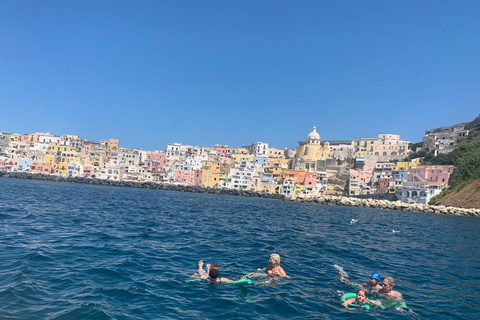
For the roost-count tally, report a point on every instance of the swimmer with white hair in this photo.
(274, 269)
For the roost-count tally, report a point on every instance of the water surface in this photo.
(72, 251)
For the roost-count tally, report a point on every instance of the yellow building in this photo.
(276, 153)
(113, 144)
(61, 156)
(212, 174)
(405, 166)
(238, 158)
(311, 151)
(269, 187)
(298, 189)
(273, 170)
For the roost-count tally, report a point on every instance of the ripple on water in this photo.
(120, 253)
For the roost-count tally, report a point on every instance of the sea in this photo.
(75, 251)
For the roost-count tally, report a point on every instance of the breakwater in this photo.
(382, 204)
(139, 184)
(309, 198)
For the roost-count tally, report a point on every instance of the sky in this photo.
(200, 73)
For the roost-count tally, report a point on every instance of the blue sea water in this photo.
(72, 251)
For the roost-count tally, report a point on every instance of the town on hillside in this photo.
(362, 166)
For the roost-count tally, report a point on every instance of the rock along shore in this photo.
(382, 204)
(320, 199)
(137, 184)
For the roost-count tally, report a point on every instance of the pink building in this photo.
(359, 182)
(221, 152)
(225, 160)
(310, 179)
(430, 175)
(198, 177)
(39, 167)
(23, 138)
(155, 162)
(383, 183)
(87, 172)
(184, 177)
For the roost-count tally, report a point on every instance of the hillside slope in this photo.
(467, 197)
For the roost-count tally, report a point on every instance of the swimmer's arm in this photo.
(375, 302)
(347, 302)
(398, 297)
(282, 273)
(226, 280)
(344, 280)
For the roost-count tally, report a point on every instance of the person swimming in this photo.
(361, 300)
(387, 291)
(213, 273)
(274, 269)
(371, 286)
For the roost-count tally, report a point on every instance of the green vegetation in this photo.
(465, 157)
(415, 146)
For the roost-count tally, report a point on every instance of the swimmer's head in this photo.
(214, 271)
(388, 282)
(375, 276)
(362, 294)
(275, 257)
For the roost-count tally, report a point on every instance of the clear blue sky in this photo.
(235, 72)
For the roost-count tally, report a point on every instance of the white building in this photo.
(175, 151)
(444, 139)
(75, 170)
(260, 149)
(111, 174)
(418, 194)
(48, 138)
(239, 177)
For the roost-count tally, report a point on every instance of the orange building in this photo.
(297, 175)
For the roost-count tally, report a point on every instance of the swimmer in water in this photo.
(274, 269)
(371, 286)
(361, 299)
(387, 291)
(213, 273)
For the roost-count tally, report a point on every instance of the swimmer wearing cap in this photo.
(373, 284)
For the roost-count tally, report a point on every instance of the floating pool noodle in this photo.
(244, 281)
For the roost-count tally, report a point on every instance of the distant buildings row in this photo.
(360, 166)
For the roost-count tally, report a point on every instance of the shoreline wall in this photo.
(310, 198)
(138, 184)
(383, 204)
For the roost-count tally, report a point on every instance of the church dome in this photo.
(313, 135)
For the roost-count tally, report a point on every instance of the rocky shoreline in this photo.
(382, 204)
(320, 199)
(137, 184)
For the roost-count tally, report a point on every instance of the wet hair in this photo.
(214, 271)
(390, 281)
(364, 291)
(275, 257)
